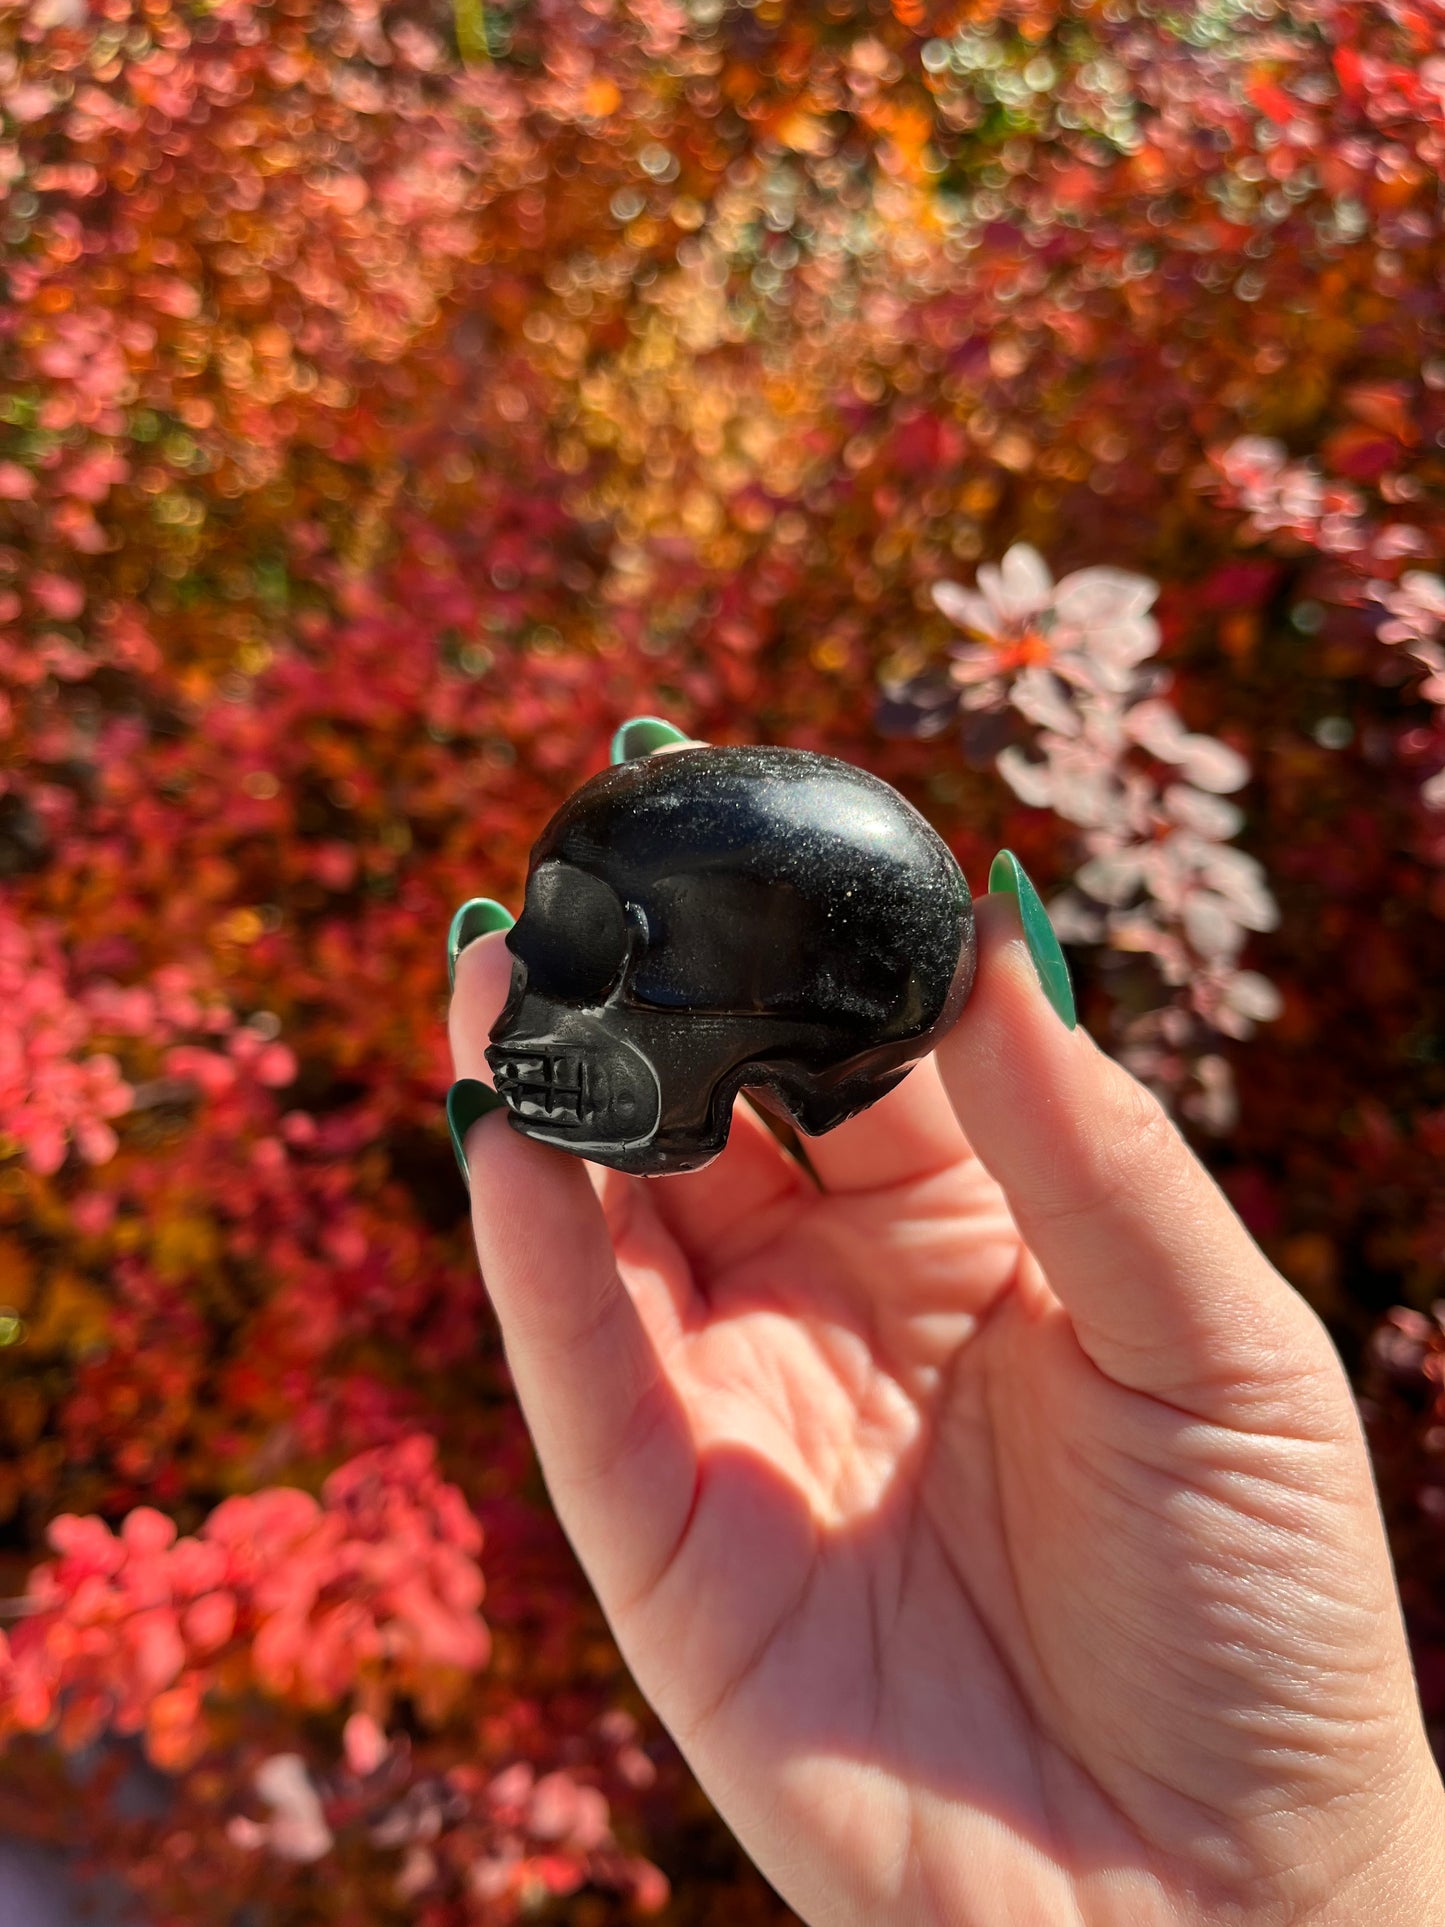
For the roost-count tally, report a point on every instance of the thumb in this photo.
(1167, 1292)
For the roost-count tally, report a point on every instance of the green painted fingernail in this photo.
(467, 1100)
(642, 735)
(1007, 873)
(475, 919)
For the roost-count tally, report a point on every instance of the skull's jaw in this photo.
(576, 1085)
(658, 1101)
(633, 1089)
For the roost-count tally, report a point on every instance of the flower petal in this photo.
(1042, 698)
(1212, 765)
(966, 607)
(1208, 816)
(1156, 726)
(1103, 596)
(1023, 582)
(1031, 782)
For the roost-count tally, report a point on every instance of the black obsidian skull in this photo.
(712, 919)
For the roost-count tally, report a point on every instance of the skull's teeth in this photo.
(551, 1089)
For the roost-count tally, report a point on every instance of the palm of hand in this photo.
(998, 1612)
(973, 1597)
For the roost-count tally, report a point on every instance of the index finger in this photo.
(613, 1439)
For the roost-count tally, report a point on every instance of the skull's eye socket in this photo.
(728, 943)
(572, 934)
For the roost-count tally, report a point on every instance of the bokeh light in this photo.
(1040, 403)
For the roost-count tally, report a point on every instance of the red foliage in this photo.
(131, 1632)
(389, 406)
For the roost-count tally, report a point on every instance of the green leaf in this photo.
(471, 24)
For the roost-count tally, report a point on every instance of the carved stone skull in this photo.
(713, 919)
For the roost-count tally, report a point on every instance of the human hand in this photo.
(992, 1529)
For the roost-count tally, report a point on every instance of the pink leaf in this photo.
(158, 1653)
(147, 1531)
(1253, 996)
(966, 607)
(60, 598)
(1212, 765)
(276, 1066)
(1207, 816)
(1112, 879)
(209, 1621)
(1032, 783)
(1156, 726)
(365, 1744)
(1021, 586)
(1040, 697)
(1211, 926)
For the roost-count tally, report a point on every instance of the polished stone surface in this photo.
(717, 919)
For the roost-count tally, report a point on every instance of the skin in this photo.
(992, 1528)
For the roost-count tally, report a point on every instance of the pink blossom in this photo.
(296, 1829)
(1009, 599)
(1159, 874)
(1416, 607)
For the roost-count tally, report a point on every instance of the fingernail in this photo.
(1006, 873)
(475, 919)
(467, 1100)
(642, 735)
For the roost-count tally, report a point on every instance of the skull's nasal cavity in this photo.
(572, 934)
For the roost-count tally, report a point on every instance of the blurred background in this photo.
(1039, 403)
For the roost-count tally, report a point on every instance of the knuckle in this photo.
(1143, 1133)
(1130, 1142)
